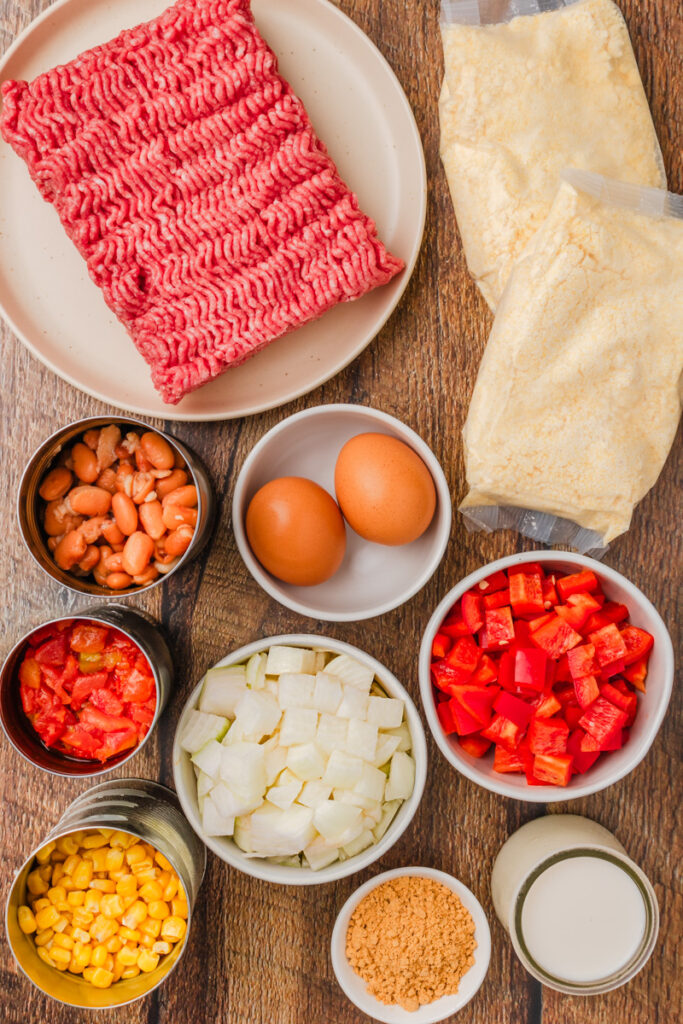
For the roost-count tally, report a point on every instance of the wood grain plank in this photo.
(259, 953)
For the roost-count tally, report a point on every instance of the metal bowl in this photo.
(139, 628)
(30, 505)
(150, 812)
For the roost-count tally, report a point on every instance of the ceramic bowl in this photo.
(355, 988)
(227, 850)
(651, 705)
(373, 578)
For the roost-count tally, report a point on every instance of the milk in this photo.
(583, 919)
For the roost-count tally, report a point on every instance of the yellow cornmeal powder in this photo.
(523, 100)
(578, 395)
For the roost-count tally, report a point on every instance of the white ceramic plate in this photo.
(354, 986)
(357, 107)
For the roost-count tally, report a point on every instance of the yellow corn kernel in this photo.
(149, 850)
(80, 935)
(67, 882)
(163, 862)
(106, 832)
(57, 857)
(75, 898)
(47, 917)
(170, 889)
(80, 958)
(158, 909)
(57, 894)
(113, 860)
(127, 886)
(144, 874)
(98, 858)
(100, 977)
(147, 941)
(68, 844)
(179, 908)
(60, 956)
(71, 863)
(151, 892)
(173, 929)
(109, 962)
(92, 900)
(44, 956)
(64, 942)
(42, 938)
(136, 853)
(162, 948)
(127, 956)
(45, 872)
(147, 960)
(118, 971)
(98, 955)
(44, 852)
(93, 841)
(151, 926)
(111, 905)
(27, 920)
(61, 924)
(122, 839)
(103, 885)
(58, 873)
(38, 904)
(135, 915)
(82, 918)
(128, 934)
(35, 884)
(143, 864)
(114, 944)
(130, 972)
(103, 928)
(128, 901)
(82, 874)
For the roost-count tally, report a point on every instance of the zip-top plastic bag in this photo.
(530, 87)
(578, 395)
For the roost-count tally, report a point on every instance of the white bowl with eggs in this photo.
(372, 578)
(186, 777)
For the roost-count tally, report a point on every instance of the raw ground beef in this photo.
(188, 175)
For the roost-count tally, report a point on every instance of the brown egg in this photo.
(384, 489)
(296, 531)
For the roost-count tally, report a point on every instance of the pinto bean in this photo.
(90, 501)
(143, 485)
(114, 562)
(119, 581)
(150, 574)
(90, 558)
(111, 533)
(176, 515)
(92, 528)
(106, 446)
(125, 513)
(178, 478)
(179, 541)
(85, 463)
(157, 450)
(59, 518)
(185, 496)
(137, 553)
(142, 462)
(55, 484)
(70, 550)
(151, 519)
(107, 480)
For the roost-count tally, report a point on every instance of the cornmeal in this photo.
(523, 100)
(578, 395)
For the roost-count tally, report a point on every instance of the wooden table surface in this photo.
(259, 954)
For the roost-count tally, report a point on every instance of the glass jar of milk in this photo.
(583, 918)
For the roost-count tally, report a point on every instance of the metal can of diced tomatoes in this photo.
(136, 626)
(151, 814)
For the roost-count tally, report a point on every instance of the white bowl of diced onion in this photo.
(299, 759)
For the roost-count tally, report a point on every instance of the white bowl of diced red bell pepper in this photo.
(545, 676)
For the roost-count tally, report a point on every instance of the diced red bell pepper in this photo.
(487, 671)
(518, 711)
(609, 645)
(464, 657)
(556, 637)
(587, 690)
(526, 594)
(505, 761)
(555, 769)
(454, 625)
(444, 712)
(496, 581)
(638, 643)
(572, 715)
(581, 661)
(53, 652)
(578, 581)
(614, 741)
(562, 673)
(628, 702)
(589, 744)
(455, 718)
(499, 629)
(474, 745)
(497, 600)
(522, 635)
(610, 612)
(506, 670)
(441, 645)
(472, 611)
(602, 720)
(578, 610)
(547, 705)
(548, 736)
(637, 674)
(527, 568)
(541, 620)
(477, 700)
(583, 759)
(530, 669)
(501, 730)
(614, 668)
(549, 592)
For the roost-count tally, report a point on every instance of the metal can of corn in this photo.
(150, 813)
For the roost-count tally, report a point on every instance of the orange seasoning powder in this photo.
(411, 940)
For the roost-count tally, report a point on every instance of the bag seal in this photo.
(651, 202)
(496, 12)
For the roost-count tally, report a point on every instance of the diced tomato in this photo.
(556, 637)
(530, 669)
(518, 711)
(501, 730)
(553, 769)
(602, 719)
(487, 671)
(115, 743)
(88, 638)
(583, 760)
(84, 686)
(507, 760)
(638, 643)
(574, 584)
(581, 661)
(474, 745)
(637, 674)
(499, 629)
(93, 718)
(137, 687)
(548, 736)
(141, 713)
(609, 645)
(472, 613)
(29, 673)
(80, 742)
(526, 594)
(53, 652)
(106, 701)
(587, 690)
(497, 600)
(441, 646)
(496, 581)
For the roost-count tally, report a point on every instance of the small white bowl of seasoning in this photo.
(371, 578)
(471, 977)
